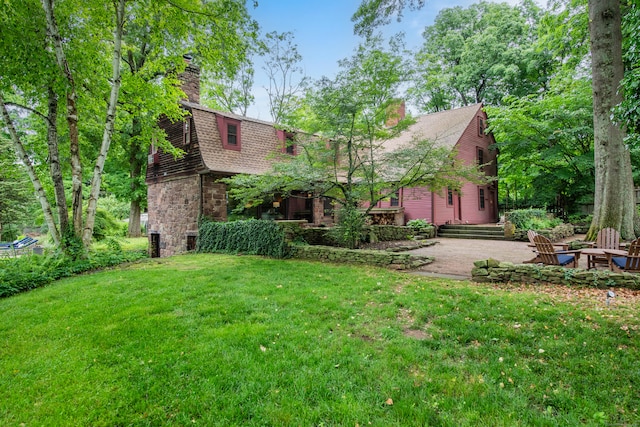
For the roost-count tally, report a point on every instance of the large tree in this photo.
(65, 56)
(546, 137)
(546, 147)
(158, 35)
(480, 53)
(614, 202)
(53, 77)
(286, 77)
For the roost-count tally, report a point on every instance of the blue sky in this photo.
(323, 32)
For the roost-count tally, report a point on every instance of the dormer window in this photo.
(230, 132)
(288, 144)
(290, 148)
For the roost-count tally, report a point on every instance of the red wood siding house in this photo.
(463, 130)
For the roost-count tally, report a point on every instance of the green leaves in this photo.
(546, 145)
(478, 54)
(252, 237)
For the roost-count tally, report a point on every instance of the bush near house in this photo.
(372, 233)
(251, 237)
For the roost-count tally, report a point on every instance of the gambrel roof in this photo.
(444, 128)
(259, 142)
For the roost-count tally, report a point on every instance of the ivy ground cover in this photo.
(240, 340)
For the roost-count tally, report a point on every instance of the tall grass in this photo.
(240, 340)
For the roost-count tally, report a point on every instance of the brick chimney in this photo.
(190, 79)
(395, 112)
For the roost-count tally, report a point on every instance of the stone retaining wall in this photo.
(374, 233)
(398, 261)
(554, 234)
(495, 271)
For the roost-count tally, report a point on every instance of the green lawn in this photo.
(240, 340)
(127, 243)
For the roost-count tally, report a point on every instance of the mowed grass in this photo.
(127, 243)
(238, 340)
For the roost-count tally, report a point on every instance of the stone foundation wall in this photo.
(214, 198)
(174, 207)
(393, 260)
(502, 272)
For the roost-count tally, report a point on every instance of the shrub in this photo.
(33, 271)
(105, 225)
(418, 224)
(254, 237)
(532, 219)
(119, 209)
(350, 231)
(580, 219)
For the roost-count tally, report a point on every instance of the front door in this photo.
(457, 209)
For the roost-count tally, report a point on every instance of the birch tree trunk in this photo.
(54, 165)
(37, 185)
(108, 127)
(72, 115)
(614, 203)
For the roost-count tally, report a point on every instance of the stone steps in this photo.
(472, 232)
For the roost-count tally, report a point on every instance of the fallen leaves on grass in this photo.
(625, 298)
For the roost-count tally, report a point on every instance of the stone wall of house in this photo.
(174, 207)
(214, 198)
(494, 271)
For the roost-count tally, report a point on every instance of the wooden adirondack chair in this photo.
(531, 234)
(549, 256)
(608, 238)
(629, 263)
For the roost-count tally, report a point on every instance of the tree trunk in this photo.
(72, 116)
(134, 219)
(614, 203)
(37, 185)
(54, 166)
(136, 165)
(108, 127)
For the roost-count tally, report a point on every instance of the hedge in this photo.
(252, 237)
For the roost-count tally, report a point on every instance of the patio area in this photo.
(454, 258)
